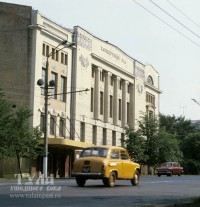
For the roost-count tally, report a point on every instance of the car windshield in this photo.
(166, 164)
(97, 152)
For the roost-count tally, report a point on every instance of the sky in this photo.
(163, 33)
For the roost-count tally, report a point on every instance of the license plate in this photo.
(86, 169)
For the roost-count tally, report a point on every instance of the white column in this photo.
(106, 96)
(96, 93)
(115, 100)
(124, 103)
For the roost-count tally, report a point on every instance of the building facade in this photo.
(99, 89)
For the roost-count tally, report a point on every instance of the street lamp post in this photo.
(48, 84)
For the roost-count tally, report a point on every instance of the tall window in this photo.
(54, 90)
(63, 88)
(57, 55)
(52, 125)
(66, 59)
(53, 54)
(128, 110)
(113, 138)
(62, 57)
(82, 132)
(104, 136)
(93, 72)
(47, 50)
(42, 122)
(94, 134)
(101, 102)
(62, 128)
(120, 109)
(111, 106)
(43, 49)
(92, 100)
(111, 80)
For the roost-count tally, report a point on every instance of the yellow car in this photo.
(106, 163)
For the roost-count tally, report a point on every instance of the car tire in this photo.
(80, 181)
(179, 174)
(110, 182)
(170, 174)
(135, 179)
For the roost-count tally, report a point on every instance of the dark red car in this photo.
(169, 169)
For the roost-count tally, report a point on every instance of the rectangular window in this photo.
(120, 109)
(120, 85)
(62, 128)
(94, 135)
(47, 50)
(113, 138)
(53, 54)
(43, 49)
(128, 88)
(57, 55)
(128, 113)
(66, 59)
(62, 57)
(54, 89)
(104, 136)
(63, 87)
(101, 102)
(92, 100)
(82, 132)
(53, 125)
(111, 106)
(42, 122)
(111, 80)
(93, 72)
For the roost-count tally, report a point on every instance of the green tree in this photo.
(169, 148)
(178, 126)
(148, 127)
(24, 141)
(6, 114)
(135, 144)
(190, 147)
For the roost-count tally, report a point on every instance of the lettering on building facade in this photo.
(113, 55)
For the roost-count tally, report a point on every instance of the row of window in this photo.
(56, 55)
(62, 130)
(111, 106)
(52, 125)
(150, 98)
(102, 79)
(54, 93)
(104, 135)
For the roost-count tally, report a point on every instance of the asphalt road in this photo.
(152, 191)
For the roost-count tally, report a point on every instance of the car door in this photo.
(127, 167)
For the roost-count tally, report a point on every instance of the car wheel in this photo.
(179, 174)
(110, 182)
(135, 179)
(159, 175)
(80, 181)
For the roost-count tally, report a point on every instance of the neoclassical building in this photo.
(99, 89)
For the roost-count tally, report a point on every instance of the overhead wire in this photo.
(184, 14)
(167, 23)
(174, 18)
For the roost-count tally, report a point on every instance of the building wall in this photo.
(94, 58)
(15, 38)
